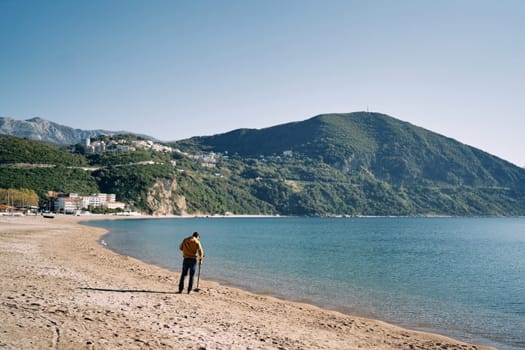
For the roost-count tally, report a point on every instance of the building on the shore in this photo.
(70, 203)
(102, 200)
(115, 205)
(6, 208)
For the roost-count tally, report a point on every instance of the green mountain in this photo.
(390, 150)
(364, 164)
(336, 164)
(19, 150)
(41, 167)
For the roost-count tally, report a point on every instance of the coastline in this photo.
(61, 289)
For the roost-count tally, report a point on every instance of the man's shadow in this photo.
(125, 290)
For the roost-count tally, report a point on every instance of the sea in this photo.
(460, 277)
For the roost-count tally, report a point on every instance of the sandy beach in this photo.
(60, 289)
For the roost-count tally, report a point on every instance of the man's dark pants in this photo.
(188, 264)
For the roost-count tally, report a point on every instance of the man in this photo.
(191, 249)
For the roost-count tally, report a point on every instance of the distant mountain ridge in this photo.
(43, 130)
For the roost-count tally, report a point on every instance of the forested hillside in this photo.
(41, 167)
(18, 150)
(366, 164)
(339, 164)
(391, 150)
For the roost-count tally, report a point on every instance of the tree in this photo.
(18, 198)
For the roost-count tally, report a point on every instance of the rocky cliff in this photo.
(162, 199)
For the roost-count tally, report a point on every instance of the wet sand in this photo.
(60, 289)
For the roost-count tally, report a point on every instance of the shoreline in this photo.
(62, 289)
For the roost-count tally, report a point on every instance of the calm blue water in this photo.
(462, 277)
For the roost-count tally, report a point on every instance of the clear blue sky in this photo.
(175, 69)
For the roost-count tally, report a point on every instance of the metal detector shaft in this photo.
(198, 278)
